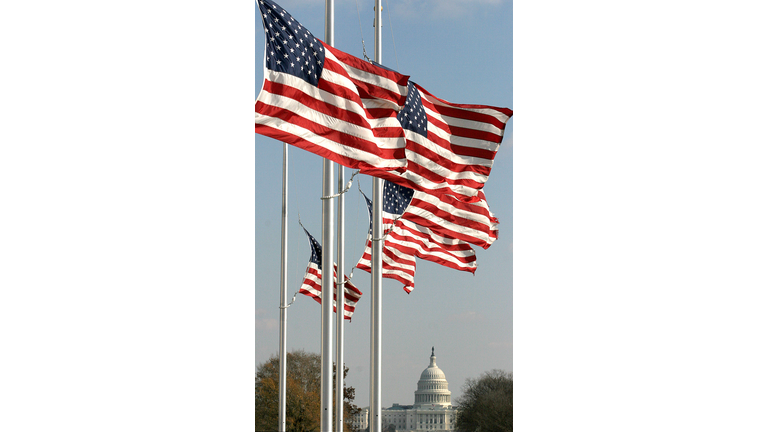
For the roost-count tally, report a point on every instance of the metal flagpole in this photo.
(326, 340)
(376, 280)
(283, 291)
(340, 303)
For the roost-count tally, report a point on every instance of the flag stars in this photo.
(284, 57)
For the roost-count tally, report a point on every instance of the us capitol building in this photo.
(431, 410)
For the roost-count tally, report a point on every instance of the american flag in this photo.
(312, 284)
(328, 102)
(406, 239)
(449, 147)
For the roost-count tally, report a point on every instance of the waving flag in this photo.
(452, 218)
(312, 284)
(405, 240)
(450, 147)
(328, 102)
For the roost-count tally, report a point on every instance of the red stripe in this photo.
(431, 243)
(445, 232)
(332, 111)
(480, 210)
(432, 254)
(445, 162)
(352, 61)
(364, 89)
(463, 113)
(316, 105)
(380, 113)
(357, 63)
(350, 141)
(463, 132)
(427, 174)
(407, 284)
(457, 148)
(461, 221)
(431, 250)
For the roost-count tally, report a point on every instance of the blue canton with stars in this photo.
(317, 250)
(396, 198)
(370, 214)
(290, 47)
(412, 116)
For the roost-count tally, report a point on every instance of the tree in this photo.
(486, 403)
(302, 405)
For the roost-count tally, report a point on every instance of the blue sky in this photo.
(461, 52)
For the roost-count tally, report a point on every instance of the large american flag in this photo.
(450, 147)
(406, 239)
(326, 101)
(312, 283)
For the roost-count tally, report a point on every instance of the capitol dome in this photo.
(432, 389)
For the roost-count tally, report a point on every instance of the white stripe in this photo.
(428, 239)
(465, 123)
(442, 151)
(368, 77)
(435, 237)
(449, 227)
(328, 144)
(304, 111)
(487, 110)
(464, 141)
(325, 97)
(315, 92)
(443, 254)
(455, 211)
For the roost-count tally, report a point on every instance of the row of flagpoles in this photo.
(327, 280)
(435, 155)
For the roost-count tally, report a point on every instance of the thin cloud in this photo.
(263, 322)
(440, 9)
